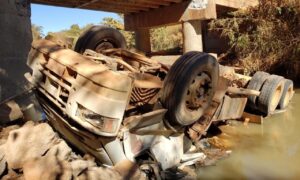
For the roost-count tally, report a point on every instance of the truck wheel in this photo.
(99, 38)
(256, 83)
(270, 94)
(189, 88)
(287, 94)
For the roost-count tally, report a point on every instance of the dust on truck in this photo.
(121, 106)
(118, 105)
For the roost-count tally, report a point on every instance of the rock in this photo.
(61, 150)
(129, 170)
(13, 175)
(28, 142)
(48, 167)
(5, 132)
(190, 173)
(3, 163)
(78, 166)
(213, 156)
(10, 112)
(37, 151)
(220, 143)
(88, 170)
(99, 173)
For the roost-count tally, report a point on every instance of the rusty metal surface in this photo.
(108, 104)
(232, 107)
(83, 89)
(198, 129)
(86, 97)
(144, 120)
(80, 138)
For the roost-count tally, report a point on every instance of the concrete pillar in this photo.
(142, 40)
(15, 41)
(192, 36)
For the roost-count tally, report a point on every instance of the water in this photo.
(268, 151)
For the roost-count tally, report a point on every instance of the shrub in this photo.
(264, 37)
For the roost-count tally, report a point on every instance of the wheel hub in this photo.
(104, 45)
(198, 92)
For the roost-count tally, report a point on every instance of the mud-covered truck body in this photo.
(113, 105)
(121, 106)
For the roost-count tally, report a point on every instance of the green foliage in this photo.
(263, 37)
(114, 23)
(74, 31)
(37, 32)
(118, 24)
(68, 37)
(166, 38)
(161, 38)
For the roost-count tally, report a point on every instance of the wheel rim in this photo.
(198, 93)
(276, 98)
(287, 97)
(105, 44)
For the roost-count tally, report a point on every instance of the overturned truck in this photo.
(121, 106)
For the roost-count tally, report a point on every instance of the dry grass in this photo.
(266, 37)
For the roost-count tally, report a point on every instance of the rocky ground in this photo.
(35, 151)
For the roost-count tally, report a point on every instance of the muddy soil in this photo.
(34, 151)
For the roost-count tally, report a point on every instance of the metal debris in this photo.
(108, 104)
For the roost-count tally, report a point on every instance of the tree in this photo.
(37, 32)
(119, 24)
(68, 37)
(169, 37)
(265, 37)
(161, 38)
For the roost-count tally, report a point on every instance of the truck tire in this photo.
(99, 38)
(189, 88)
(256, 83)
(270, 94)
(287, 94)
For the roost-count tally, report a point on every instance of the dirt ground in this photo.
(31, 150)
(35, 151)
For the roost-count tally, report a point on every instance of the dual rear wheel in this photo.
(275, 92)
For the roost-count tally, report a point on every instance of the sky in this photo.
(54, 19)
